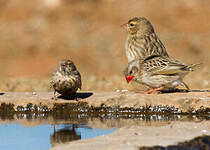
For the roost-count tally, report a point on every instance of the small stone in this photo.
(124, 90)
(33, 93)
(205, 83)
(204, 131)
(118, 90)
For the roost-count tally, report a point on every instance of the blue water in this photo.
(42, 137)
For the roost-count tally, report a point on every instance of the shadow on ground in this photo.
(76, 96)
(202, 142)
(184, 90)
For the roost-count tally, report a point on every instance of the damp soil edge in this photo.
(107, 102)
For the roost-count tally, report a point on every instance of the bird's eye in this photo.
(131, 72)
(131, 24)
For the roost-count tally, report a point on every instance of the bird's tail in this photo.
(193, 67)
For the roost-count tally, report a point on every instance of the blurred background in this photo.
(35, 35)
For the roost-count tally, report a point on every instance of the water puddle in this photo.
(20, 137)
(32, 131)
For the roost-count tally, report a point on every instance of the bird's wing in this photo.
(159, 65)
(168, 72)
(173, 68)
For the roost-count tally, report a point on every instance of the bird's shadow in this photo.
(184, 91)
(2, 93)
(76, 96)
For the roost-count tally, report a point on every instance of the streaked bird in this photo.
(142, 40)
(158, 72)
(66, 80)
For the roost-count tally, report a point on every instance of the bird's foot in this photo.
(55, 96)
(153, 91)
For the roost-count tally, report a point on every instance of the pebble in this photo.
(204, 131)
(33, 93)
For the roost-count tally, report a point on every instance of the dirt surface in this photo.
(133, 137)
(182, 102)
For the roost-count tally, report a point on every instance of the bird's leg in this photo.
(146, 90)
(154, 91)
(143, 91)
(54, 95)
(185, 85)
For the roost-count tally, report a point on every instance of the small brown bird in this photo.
(142, 40)
(66, 80)
(158, 72)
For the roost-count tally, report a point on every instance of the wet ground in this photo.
(198, 143)
(50, 129)
(42, 131)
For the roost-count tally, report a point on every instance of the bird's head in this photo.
(138, 25)
(131, 71)
(67, 66)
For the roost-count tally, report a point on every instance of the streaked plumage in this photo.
(158, 72)
(66, 80)
(141, 40)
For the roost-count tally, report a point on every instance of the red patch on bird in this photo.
(129, 78)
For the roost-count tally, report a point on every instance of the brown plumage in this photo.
(142, 40)
(158, 72)
(66, 80)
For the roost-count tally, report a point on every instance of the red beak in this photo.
(124, 25)
(129, 78)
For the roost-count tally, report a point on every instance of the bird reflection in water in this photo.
(64, 135)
